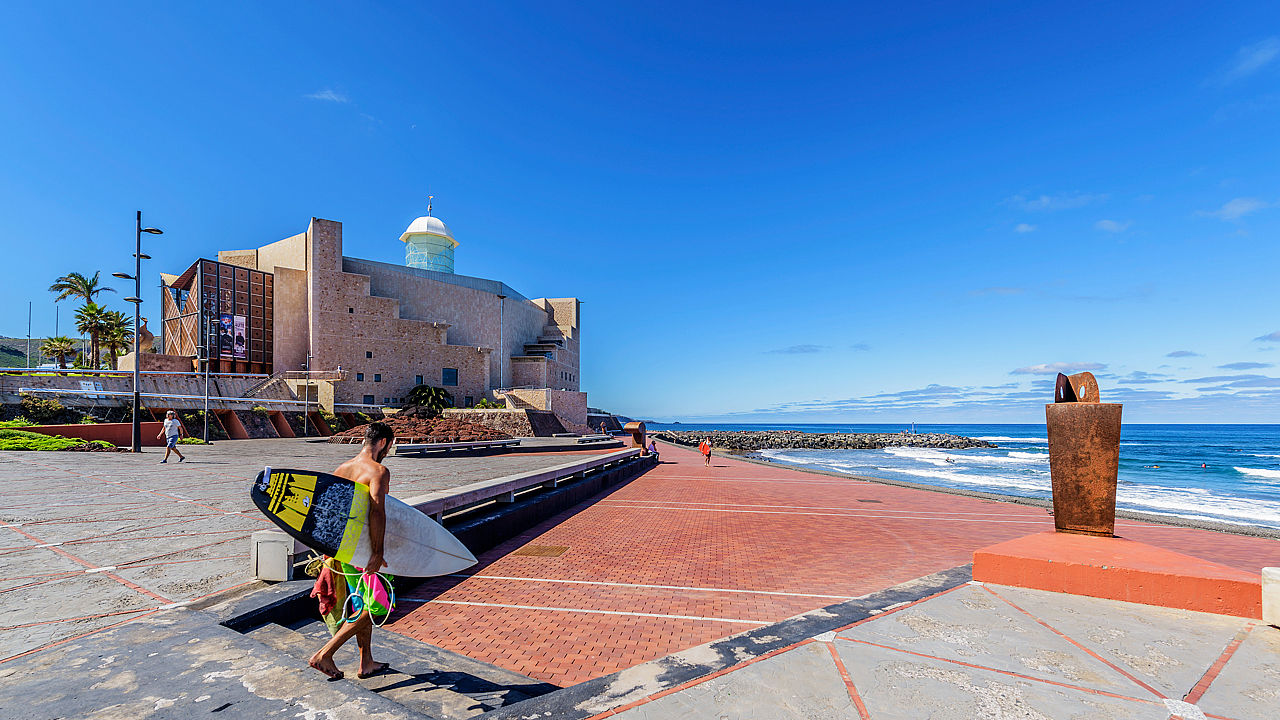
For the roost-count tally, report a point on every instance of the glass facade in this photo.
(429, 252)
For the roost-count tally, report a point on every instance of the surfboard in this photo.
(328, 514)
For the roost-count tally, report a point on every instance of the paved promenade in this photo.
(93, 540)
(686, 554)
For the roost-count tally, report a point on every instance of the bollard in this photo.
(1084, 456)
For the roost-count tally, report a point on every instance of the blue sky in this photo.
(844, 212)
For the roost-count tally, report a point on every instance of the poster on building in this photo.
(242, 344)
(226, 335)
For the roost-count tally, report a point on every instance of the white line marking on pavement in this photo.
(108, 568)
(828, 636)
(859, 508)
(658, 587)
(583, 610)
(848, 515)
(48, 545)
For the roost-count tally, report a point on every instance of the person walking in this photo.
(170, 433)
(705, 447)
(367, 469)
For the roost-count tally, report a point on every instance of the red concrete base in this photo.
(115, 433)
(1119, 569)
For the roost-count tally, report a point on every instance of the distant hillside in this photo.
(13, 352)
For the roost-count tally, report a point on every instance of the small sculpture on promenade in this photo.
(146, 339)
(1084, 456)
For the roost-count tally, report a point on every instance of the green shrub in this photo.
(434, 399)
(335, 423)
(88, 420)
(192, 441)
(101, 444)
(363, 418)
(45, 411)
(261, 411)
(17, 422)
(23, 440)
(487, 404)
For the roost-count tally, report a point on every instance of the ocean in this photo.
(1160, 465)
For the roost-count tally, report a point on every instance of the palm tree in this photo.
(92, 320)
(116, 335)
(77, 285)
(58, 347)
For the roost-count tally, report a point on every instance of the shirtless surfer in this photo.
(367, 469)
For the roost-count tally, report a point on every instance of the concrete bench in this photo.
(420, 448)
(594, 438)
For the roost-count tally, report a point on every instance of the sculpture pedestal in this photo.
(1119, 569)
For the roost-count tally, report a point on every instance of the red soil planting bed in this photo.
(420, 430)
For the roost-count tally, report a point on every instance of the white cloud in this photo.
(1024, 228)
(1066, 368)
(1252, 58)
(1239, 207)
(799, 350)
(1183, 353)
(328, 95)
(1061, 201)
(1113, 226)
(1270, 337)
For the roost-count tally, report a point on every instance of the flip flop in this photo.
(382, 667)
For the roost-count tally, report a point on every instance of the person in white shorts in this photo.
(171, 432)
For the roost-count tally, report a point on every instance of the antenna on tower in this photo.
(429, 198)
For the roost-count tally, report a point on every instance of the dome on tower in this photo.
(428, 244)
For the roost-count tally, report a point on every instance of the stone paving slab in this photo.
(170, 533)
(801, 683)
(955, 655)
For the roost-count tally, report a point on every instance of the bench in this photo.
(420, 448)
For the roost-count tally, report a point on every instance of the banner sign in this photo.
(241, 343)
(226, 335)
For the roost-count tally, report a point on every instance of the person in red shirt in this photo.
(705, 447)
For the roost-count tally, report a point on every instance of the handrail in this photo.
(119, 373)
(436, 504)
(164, 396)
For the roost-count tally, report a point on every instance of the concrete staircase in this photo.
(422, 678)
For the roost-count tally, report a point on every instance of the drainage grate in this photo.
(542, 550)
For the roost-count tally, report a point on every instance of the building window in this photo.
(417, 379)
(368, 354)
(377, 377)
(359, 377)
(368, 399)
(386, 401)
(469, 401)
(449, 377)
(350, 310)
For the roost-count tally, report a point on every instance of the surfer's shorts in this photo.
(172, 441)
(361, 596)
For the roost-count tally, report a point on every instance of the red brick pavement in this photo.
(734, 546)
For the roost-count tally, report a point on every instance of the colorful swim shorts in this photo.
(361, 595)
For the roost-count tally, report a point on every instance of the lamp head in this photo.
(153, 231)
(122, 276)
(133, 300)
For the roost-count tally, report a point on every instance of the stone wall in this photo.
(158, 362)
(512, 422)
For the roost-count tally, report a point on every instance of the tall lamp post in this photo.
(136, 277)
(306, 396)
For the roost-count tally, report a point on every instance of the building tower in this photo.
(428, 244)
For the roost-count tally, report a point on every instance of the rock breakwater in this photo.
(750, 440)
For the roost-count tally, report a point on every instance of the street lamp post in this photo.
(203, 350)
(138, 257)
(306, 396)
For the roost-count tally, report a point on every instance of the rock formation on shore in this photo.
(748, 440)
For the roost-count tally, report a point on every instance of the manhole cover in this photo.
(542, 550)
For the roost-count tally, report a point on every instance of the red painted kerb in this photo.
(1119, 569)
(115, 433)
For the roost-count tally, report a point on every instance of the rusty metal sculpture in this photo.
(636, 429)
(1084, 456)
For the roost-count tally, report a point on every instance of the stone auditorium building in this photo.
(300, 303)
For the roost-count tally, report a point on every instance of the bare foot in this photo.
(326, 666)
(374, 669)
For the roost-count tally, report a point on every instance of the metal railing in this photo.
(119, 373)
(162, 396)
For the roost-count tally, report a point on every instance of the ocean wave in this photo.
(1029, 455)
(1001, 438)
(1200, 504)
(1259, 472)
(1265, 455)
(993, 483)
